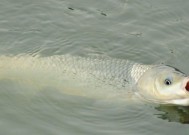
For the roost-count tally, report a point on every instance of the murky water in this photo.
(147, 31)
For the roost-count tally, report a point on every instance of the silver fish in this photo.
(100, 77)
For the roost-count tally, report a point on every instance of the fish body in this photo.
(97, 77)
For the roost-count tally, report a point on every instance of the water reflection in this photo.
(178, 114)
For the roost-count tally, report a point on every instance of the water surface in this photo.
(146, 31)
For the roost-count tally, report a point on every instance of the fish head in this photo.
(164, 84)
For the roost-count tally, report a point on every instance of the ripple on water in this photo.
(143, 31)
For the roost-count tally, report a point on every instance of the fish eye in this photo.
(167, 82)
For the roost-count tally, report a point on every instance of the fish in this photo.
(100, 77)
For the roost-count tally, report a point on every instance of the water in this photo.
(147, 31)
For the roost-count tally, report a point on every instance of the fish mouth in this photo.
(187, 86)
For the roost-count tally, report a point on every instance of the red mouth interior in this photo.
(187, 86)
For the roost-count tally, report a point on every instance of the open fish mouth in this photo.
(187, 86)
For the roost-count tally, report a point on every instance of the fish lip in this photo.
(181, 101)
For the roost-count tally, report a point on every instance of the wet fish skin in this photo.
(107, 69)
(97, 73)
(97, 76)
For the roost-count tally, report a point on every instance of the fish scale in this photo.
(96, 71)
(105, 69)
